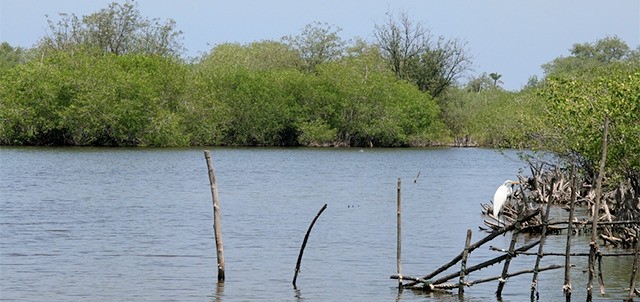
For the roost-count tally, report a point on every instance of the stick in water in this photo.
(216, 216)
(304, 244)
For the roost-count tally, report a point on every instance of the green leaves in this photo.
(88, 99)
(118, 29)
(578, 106)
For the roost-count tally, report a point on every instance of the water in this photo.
(93, 224)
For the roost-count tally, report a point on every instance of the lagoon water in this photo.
(102, 224)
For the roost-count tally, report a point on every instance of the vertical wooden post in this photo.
(543, 236)
(399, 233)
(510, 254)
(566, 289)
(216, 216)
(632, 283)
(593, 251)
(463, 265)
(304, 244)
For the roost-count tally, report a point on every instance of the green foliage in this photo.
(372, 107)
(84, 99)
(87, 85)
(318, 43)
(598, 79)
(264, 55)
(11, 56)
(587, 56)
(413, 54)
(118, 29)
(578, 106)
(492, 117)
(352, 101)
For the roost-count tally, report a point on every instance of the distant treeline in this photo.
(84, 85)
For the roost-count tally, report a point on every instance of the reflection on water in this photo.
(135, 224)
(219, 297)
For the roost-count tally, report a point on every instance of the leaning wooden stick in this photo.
(474, 246)
(485, 264)
(304, 244)
(528, 271)
(216, 216)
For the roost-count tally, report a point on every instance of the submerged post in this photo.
(463, 265)
(634, 270)
(510, 254)
(543, 236)
(566, 289)
(216, 216)
(399, 234)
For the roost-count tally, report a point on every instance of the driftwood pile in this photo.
(457, 280)
(528, 211)
(614, 218)
(618, 216)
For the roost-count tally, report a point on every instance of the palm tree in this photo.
(496, 78)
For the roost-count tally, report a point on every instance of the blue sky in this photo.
(510, 37)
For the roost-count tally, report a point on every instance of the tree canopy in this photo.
(115, 78)
(414, 54)
(118, 29)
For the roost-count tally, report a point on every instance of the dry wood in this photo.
(304, 244)
(399, 232)
(543, 236)
(528, 271)
(474, 246)
(564, 254)
(485, 264)
(611, 239)
(217, 229)
(596, 208)
(566, 288)
(600, 279)
(431, 286)
(510, 254)
(463, 265)
(632, 283)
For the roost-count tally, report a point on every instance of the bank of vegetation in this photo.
(115, 78)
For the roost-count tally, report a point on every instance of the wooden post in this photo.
(463, 265)
(304, 244)
(216, 216)
(632, 283)
(543, 235)
(510, 254)
(399, 233)
(566, 289)
(593, 251)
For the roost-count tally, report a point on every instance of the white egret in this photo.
(501, 195)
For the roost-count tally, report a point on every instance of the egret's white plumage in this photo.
(501, 195)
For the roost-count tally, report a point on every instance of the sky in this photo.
(513, 38)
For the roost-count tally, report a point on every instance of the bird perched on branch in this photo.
(501, 195)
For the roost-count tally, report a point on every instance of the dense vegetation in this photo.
(114, 78)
